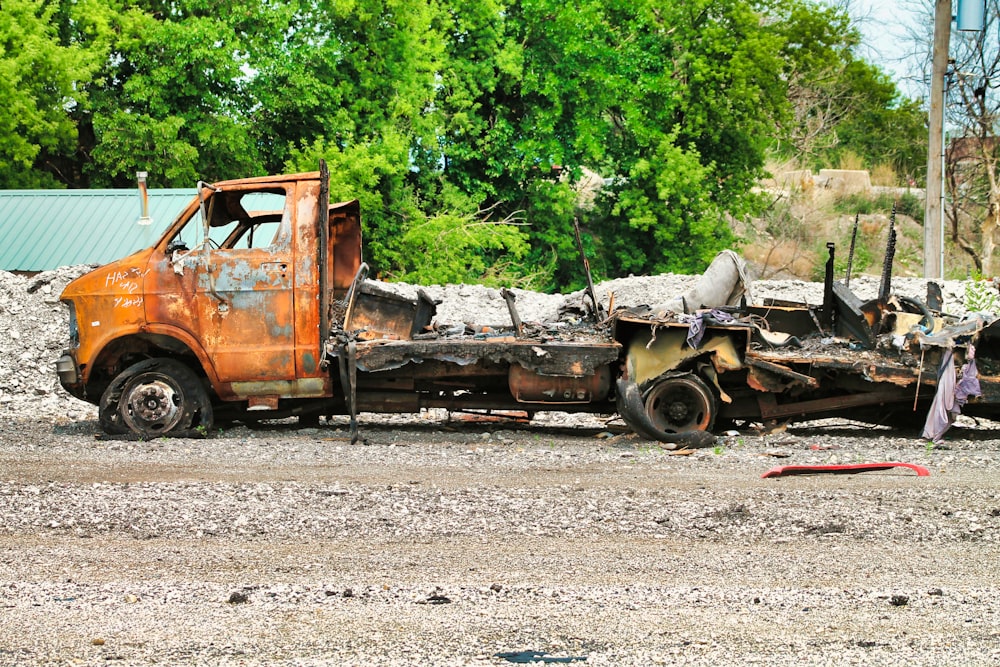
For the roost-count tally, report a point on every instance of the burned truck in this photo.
(255, 304)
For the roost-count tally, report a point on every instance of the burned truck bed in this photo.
(674, 376)
(393, 357)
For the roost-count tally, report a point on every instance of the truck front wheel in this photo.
(156, 397)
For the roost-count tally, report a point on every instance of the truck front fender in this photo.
(152, 340)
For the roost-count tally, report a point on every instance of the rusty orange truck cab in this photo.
(255, 304)
(229, 295)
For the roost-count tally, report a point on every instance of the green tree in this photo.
(374, 173)
(345, 71)
(839, 103)
(672, 103)
(701, 90)
(37, 83)
(449, 120)
(170, 99)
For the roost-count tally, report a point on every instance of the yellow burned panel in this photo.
(652, 354)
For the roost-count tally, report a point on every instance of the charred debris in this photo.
(708, 359)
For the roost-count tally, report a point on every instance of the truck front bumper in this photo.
(67, 371)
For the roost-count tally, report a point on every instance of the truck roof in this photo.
(276, 178)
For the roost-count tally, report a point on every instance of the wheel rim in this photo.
(681, 404)
(152, 403)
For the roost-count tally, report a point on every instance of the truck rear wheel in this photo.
(156, 397)
(680, 404)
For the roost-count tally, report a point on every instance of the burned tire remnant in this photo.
(156, 397)
(633, 409)
(680, 404)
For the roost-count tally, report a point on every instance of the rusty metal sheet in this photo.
(381, 314)
(571, 359)
(771, 409)
(528, 386)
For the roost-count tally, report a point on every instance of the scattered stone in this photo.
(238, 597)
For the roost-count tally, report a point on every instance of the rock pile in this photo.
(36, 332)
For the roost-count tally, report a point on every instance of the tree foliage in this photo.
(649, 122)
(839, 103)
(38, 78)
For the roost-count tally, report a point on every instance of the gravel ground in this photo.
(442, 542)
(449, 543)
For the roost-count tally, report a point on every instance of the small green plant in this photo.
(718, 450)
(980, 294)
(866, 204)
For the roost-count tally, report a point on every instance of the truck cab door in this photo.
(235, 285)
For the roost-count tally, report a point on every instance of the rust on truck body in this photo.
(255, 303)
(247, 309)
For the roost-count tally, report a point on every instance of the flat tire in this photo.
(154, 398)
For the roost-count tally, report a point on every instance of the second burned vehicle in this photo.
(255, 304)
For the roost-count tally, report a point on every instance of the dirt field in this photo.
(454, 544)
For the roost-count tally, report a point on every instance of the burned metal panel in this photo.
(527, 386)
(862, 364)
(569, 359)
(381, 314)
(795, 320)
(662, 348)
(237, 302)
(770, 408)
(852, 319)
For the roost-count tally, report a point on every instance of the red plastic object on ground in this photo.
(781, 471)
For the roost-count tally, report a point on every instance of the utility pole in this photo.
(934, 204)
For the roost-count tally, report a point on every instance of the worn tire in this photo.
(154, 398)
(680, 404)
(635, 412)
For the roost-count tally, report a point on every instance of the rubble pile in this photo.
(35, 326)
(36, 330)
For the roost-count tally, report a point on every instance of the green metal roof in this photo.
(46, 229)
